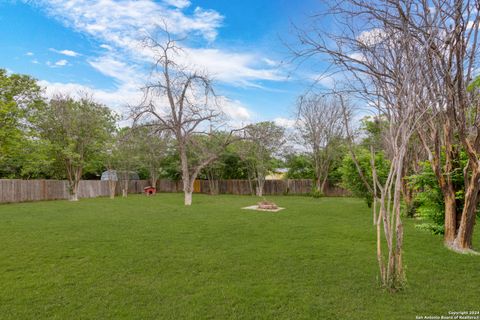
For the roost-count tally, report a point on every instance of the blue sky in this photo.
(76, 45)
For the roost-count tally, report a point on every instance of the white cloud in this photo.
(284, 122)
(106, 47)
(29, 54)
(234, 110)
(66, 52)
(270, 62)
(127, 94)
(178, 3)
(69, 53)
(114, 67)
(116, 21)
(35, 61)
(122, 25)
(230, 67)
(61, 63)
(117, 98)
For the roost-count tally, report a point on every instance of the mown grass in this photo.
(152, 258)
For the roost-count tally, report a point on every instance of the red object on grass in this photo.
(150, 190)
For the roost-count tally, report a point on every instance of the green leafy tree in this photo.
(262, 142)
(300, 166)
(153, 147)
(77, 131)
(352, 181)
(20, 96)
(126, 156)
(429, 200)
(233, 167)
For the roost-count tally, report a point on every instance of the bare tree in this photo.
(448, 33)
(320, 127)
(384, 69)
(444, 35)
(180, 100)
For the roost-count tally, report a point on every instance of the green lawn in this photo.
(152, 258)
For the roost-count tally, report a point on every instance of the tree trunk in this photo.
(188, 198)
(260, 185)
(125, 188)
(187, 183)
(213, 186)
(250, 184)
(112, 186)
(318, 184)
(153, 179)
(188, 191)
(212, 183)
(463, 240)
(323, 185)
(443, 175)
(74, 190)
(74, 182)
(259, 191)
(407, 192)
(450, 217)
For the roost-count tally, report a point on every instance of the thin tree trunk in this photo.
(463, 240)
(125, 187)
(259, 192)
(74, 190)
(250, 184)
(318, 184)
(260, 185)
(153, 179)
(322, 186)
(212, 183)
(75, 180)
(112, 184)
(450, 216)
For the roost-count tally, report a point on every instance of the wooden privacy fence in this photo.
(271, 187)
(14, 190)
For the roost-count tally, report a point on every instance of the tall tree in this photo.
(181, 100)
(77, 131)
(153, 147)
(382, 62)
(261, 143)
(447, 32)
(20, 96)
(320, 127)
(126, 155)
(299, 166)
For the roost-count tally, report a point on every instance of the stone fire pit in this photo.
(265, 206)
